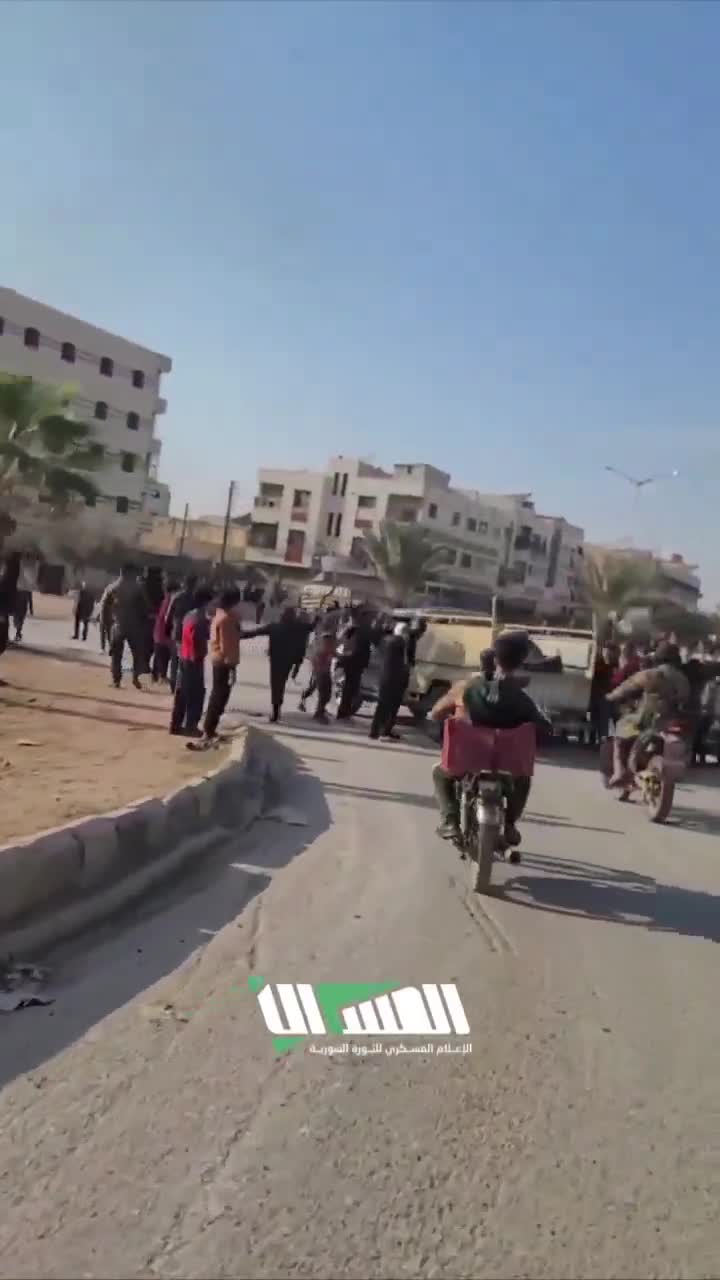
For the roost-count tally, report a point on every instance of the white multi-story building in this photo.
(493, 543)
(118, 394)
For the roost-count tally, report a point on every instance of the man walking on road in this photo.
(84, 606)
(394, 678)
(129, 620)
(224, 655)
(284, 639)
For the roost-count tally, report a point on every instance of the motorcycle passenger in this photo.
(500, 702)
(665, 691)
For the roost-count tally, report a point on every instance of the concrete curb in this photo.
(58, 882)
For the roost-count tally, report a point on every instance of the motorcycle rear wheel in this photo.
(484, 841)
(660, 801)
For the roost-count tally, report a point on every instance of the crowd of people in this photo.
(171, 630)
(622, 675)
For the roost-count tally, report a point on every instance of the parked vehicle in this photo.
(559, 665)
(657, 763)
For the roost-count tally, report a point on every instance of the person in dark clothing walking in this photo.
(8, 594)
(394, 676)
(190, 685)
(181, 603)
(224, 656)
(128, 603)
(283, 650)
(84, 606)
(357, 645)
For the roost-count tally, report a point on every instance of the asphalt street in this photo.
(149, 1128)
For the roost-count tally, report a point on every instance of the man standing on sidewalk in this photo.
(190, 685)
(224, 655)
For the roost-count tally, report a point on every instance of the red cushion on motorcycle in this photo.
(471, 748)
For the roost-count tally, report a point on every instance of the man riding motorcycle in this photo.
(499, 702)
(664, 691)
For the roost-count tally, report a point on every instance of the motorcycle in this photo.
(481, 799)
(657, 763)
(484, 763)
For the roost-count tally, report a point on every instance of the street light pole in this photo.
(640, 483)
(228, 515)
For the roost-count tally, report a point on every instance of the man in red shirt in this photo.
(190, 687)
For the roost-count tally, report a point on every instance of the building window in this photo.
(138, 378)
(133, 421)
(329, 525)
(343, 490)
(101, 410)
(450, 556)
(408, 515)
(367, 501)
(107, 367)
(67, 352)
(2, 325)
(128, 462)
(32, 339)
(122, 506)
(91, 502)
(336, 482)
(456, 519)
(466, 560)
(483, 526)
(432, 510)
(472, 524)
(338, 524)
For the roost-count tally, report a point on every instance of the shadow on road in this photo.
(554, 820)
(107, 967)
(697, 820)
(593, 892)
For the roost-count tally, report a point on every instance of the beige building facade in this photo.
(493, 543)
(118, 394)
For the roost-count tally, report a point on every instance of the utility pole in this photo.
(183, 531)
(228, 514)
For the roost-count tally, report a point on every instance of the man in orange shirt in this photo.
(224, 656)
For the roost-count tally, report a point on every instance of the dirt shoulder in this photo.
(71, 745)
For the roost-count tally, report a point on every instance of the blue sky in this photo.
(484, 236)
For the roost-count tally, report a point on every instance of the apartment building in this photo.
(491, 542)
(118, 394)
(679, 581)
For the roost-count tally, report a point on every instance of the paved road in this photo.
(579, 1139)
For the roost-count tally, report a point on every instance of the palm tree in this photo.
(615, 583)
(42, 448)
(403, 556)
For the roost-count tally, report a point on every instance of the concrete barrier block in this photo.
(101, 851)
(34, 873)
(182, 815)
(205, 793)
(140, 833)
(232, 791)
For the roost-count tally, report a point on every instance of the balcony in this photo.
(160, 405)
(361, 523)
(263, 502)
(299, 515)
